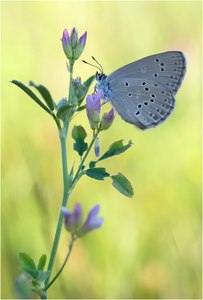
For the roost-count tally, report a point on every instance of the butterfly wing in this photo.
(141, 102)
(167, 69)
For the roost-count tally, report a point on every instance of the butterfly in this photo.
(143, 92)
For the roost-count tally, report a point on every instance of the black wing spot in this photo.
(155, 84)
(126, 83)
(145, 103)
(156, 60)
(162, 64)
(155, 75)
(153, 96)
(139, 106)
(129, 94)
(151, 100)
(146, 89)
(162, 69)
(137, 112)
(143, 83)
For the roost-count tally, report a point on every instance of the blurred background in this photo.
(149, 246)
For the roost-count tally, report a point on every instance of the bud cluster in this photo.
(72, 45)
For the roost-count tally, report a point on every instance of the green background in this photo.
(149, 246)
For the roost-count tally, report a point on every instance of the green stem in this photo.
(71, 91)
(62, 267)
(66, 193)
(85, 156)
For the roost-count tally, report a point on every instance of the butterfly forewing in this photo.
(166, 69)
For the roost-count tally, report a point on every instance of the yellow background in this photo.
(149, 246)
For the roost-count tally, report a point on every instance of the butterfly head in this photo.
(102, 83)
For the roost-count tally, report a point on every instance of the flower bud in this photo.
(66, 43)
(107, 119)
(74, 38)
(62, 102)
(97, 147)
(80, 46)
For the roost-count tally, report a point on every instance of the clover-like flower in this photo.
(73, 221)
(107, 119)
(72, 46)
(93, 107)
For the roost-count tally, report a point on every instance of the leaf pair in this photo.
(43, 92)
(36, 272)
(120, 182)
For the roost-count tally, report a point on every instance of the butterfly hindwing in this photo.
(141, 102)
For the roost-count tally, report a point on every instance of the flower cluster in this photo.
(73, 221)
(72, 45)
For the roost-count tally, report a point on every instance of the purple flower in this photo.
(66, 43)
(97, 147)
(93, 107)
(92, 222)
(73, 220)
(80, 45)
(107, 119)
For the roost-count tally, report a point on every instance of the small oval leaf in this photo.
(79, 135)
(122, 184)
(42, 262)
(97, 173)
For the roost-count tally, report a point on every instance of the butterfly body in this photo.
(143, 92)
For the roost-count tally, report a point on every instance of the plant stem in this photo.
(66, 193)
(85, 156)
(71, 91)
(65, 261)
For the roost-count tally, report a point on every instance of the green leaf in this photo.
(122, 184)
(42, 262)
(87, 85)
(79, 134)
(82, 107)
(27, 264)
(32, 95)
(89, 81)
(97, 173)
(64, 111)
(44, 92)
(115, 149)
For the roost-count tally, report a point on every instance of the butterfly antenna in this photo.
(98, 64)
(92, 65)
